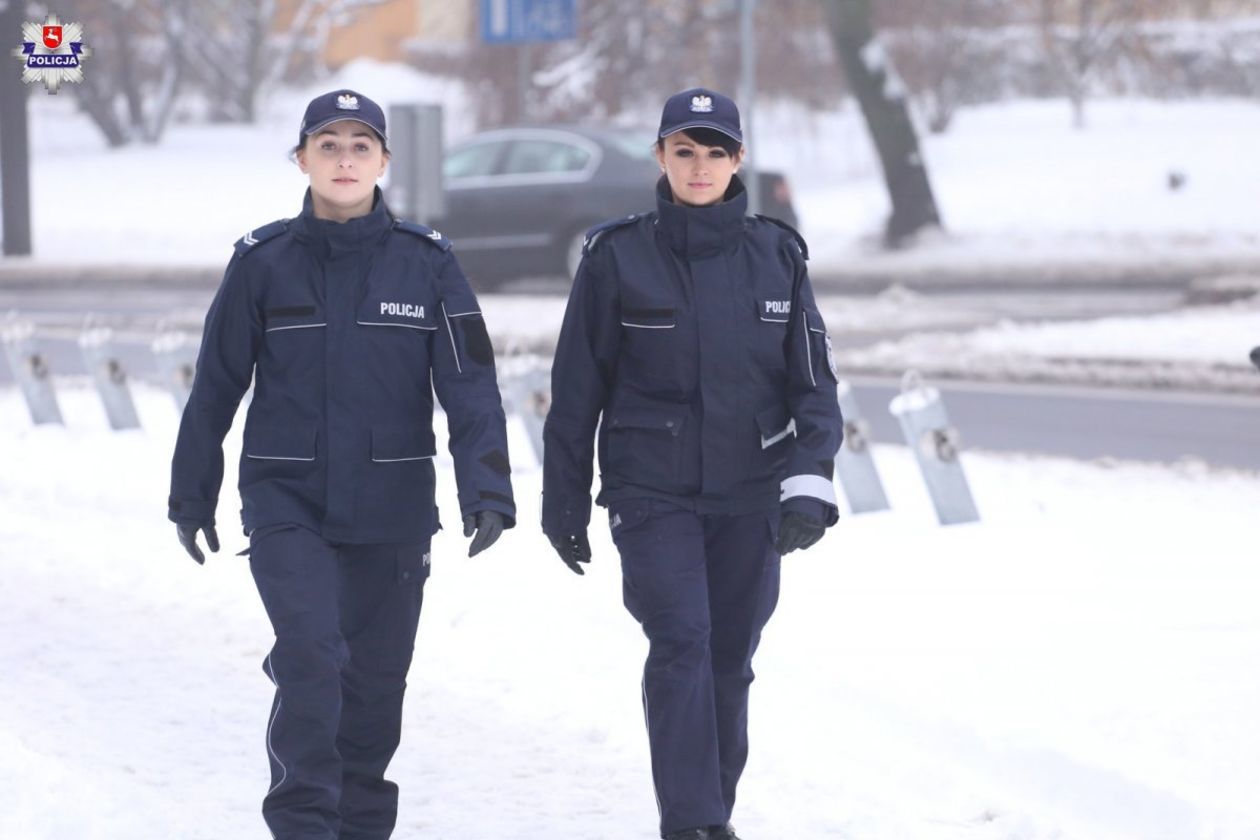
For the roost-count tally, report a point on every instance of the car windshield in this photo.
(471, 161)
(530, 156)
(637, 146)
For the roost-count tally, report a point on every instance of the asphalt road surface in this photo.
(1075, 422)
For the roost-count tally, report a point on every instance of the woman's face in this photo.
(698, 175)
(344, 161)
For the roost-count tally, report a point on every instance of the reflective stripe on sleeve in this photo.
(813, 486)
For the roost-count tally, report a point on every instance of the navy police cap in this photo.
(343, 105)
(700, 108)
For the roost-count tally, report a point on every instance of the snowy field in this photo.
(1017, 186)
(1079, 666)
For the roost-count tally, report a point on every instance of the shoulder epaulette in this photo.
(594, 233)
(257, 236)
(424, 232)
(800, 240)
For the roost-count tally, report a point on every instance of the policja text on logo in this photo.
(52, 53)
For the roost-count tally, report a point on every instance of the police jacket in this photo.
(693, 342)
(347, 330)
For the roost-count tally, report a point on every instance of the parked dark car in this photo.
(520, 199)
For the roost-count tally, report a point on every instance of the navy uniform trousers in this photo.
(703, 588)
(345, 622)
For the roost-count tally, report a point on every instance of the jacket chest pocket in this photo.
(649, 318)
(657, 351)
(293, 336)
(773, 309)
(278, 320)
(377, 310)
(766, 336)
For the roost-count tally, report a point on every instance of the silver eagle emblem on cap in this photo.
(346, 102)
(702, 104)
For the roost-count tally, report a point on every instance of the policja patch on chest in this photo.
(405, 310)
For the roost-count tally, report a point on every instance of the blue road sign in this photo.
(525, 21)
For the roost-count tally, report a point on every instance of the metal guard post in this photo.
(30, 369)
(936, 445)
(101, 361)
(855, 467)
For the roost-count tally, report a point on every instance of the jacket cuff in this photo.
(198, 511)
(497, 502)
(566, 519)
(813, 508)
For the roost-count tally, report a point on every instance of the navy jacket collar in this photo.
(702, 231)
(331, 239)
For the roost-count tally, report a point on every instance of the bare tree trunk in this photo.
(123, 24)
(97, 102)
(175, 31)
(883, 100)
(258, 22)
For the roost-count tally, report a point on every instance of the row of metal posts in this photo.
(527, 390)
(174, 352)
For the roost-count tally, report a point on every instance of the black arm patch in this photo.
(497, 461)
(477, 340)
(491, 496)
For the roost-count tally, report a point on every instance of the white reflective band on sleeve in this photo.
(814, 486)
(451, 332)
(767, 442)
(809, 356)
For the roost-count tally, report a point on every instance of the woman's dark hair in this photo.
(709, 137)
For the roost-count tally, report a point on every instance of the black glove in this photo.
(188, 539)
(796, 530)
(489, 527)
(573, 549)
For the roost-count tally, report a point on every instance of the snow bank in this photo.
(1202, 348)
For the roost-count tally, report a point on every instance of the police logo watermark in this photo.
(702, 104)
(52, 53)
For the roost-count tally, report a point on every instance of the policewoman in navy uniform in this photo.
(692, 341)
(348, 320)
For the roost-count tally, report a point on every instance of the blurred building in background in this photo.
(394, 30)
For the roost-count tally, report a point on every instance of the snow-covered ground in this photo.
(1017, 186)
(1081, 665)
(1198, 348)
